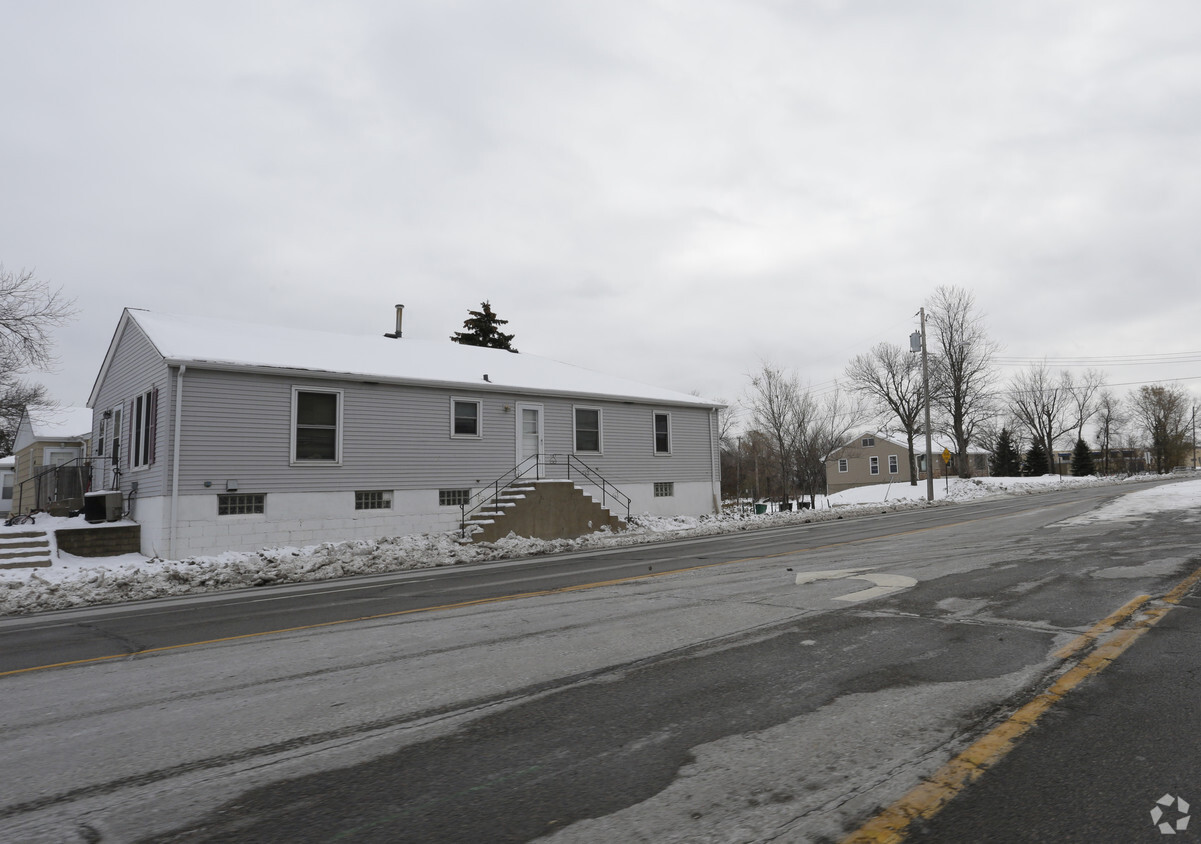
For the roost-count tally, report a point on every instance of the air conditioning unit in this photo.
(103, 506)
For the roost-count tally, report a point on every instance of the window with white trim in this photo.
(662, 433)
(316, 426)
(665, 489)
(868, 442)
(465, 418)
(873, 465)
(373, 499)
(894, 464)
(842, 465)
(142, 429)
(587, 421)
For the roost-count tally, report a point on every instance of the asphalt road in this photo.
(89, 633)
(784, 685)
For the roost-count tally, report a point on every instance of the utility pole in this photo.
(917, 340)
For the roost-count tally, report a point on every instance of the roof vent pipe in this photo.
(400, 310)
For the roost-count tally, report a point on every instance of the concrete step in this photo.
(24, 549)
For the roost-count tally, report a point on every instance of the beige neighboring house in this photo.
(6, 484)
(882, 458)
(49, 437)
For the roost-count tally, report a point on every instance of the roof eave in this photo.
(484, 386)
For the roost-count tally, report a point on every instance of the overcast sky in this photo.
(666, 191)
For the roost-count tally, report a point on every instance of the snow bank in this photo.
(79, 581)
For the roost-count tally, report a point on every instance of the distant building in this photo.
(50, 451)
(7, 473)
(881, 458)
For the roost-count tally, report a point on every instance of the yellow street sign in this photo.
(946, 455)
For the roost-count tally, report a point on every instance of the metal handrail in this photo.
(493, 489)
(534, 463)
(597, 479)
(49, 488)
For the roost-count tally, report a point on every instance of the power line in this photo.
(1103, 360)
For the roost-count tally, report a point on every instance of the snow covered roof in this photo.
(204, 342)
(55, 424)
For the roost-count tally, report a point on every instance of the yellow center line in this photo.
(541, 593)
(926, 800)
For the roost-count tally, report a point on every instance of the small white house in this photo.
(224, 435)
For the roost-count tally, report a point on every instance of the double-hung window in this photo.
(465, 418)
(316, 426)
(662, 433)
(874, 465)
(588, 429)
(894, 464)
(842, 464)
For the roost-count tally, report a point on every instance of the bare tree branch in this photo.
(29, 309)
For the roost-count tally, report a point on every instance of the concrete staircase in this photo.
(24, 549)
(540, 509)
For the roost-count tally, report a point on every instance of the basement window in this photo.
(665, 489)
(373, 499)
(453, 497)
(241, 504)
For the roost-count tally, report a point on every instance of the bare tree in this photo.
(891, 379)
(1163, 414)
(1111, 419)
(14, 398)
(827, 426)
(29, 309)
(778, 408)
(1043, 403)
(963, 367)
(1083, 394)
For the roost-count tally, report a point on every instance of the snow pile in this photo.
(1138, 505)
(79, 581)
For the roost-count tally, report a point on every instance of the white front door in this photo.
(529, 436)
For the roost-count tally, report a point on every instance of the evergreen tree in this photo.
(482, 328)
(1082, 460)
(1036, 460)
(1006, 463)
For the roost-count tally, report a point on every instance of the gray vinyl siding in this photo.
(135, 368)
(237, 426)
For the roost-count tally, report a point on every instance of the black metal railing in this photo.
(63, 485)
(540, 465)
(598, 480)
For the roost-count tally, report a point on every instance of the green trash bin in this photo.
(760, 509)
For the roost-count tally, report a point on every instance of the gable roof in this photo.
(44, 423)
(938, 443)
(208, 343)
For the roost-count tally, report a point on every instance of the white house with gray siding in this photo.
(228, 436)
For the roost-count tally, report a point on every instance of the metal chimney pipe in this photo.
(400, 309)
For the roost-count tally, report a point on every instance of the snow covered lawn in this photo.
(77, 581)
